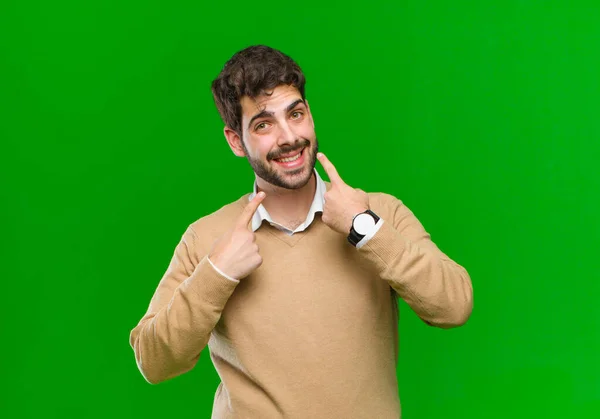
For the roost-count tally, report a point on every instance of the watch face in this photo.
(363, 223)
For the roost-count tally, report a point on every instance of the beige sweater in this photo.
(313, 332)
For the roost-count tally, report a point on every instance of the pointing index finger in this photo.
(248, 212)
(329, 169)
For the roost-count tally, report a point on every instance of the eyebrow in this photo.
(265, 113)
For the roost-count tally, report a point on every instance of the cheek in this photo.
(258, 147)
(306, 130)
(264, 146)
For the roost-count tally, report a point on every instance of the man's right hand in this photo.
(236, 252)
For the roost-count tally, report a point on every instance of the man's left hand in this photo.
(342, 202)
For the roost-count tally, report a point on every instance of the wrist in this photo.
(363, 224)
(354, 214)
(220, 271)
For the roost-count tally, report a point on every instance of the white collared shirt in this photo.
(262, 214)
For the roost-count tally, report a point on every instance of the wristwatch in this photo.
(361, 224)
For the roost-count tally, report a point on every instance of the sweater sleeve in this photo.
(438, 289)
(183, 311)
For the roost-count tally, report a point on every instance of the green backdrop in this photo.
(483, 117)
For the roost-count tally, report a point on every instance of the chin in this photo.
(271, 172)
(297, 180)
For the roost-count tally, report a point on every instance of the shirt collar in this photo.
(261, 213)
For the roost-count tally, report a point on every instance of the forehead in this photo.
(279, 98)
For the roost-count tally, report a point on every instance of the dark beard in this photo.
(267, 173)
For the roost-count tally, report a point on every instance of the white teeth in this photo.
(288, 159)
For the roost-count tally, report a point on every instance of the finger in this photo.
(329, 169)
(248, 212)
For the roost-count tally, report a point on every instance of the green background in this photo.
(483, 117)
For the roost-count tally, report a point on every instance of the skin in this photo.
(289, 193)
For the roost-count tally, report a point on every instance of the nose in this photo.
(286, 134)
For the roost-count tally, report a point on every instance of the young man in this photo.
(293, 288)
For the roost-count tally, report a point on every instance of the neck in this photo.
(287, 204)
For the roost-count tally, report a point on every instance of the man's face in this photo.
(275, 126)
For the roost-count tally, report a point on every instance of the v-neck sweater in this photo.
(313, 331)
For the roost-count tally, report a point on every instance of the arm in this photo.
(183, 311)
(438, 289)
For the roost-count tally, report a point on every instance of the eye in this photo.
(260, 126)
(296, 114)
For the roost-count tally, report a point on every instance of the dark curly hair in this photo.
(251, 72)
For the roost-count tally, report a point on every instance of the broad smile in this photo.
(292, 162)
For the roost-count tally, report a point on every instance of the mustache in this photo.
(298, 145)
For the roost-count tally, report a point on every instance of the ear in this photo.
(234, 141)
